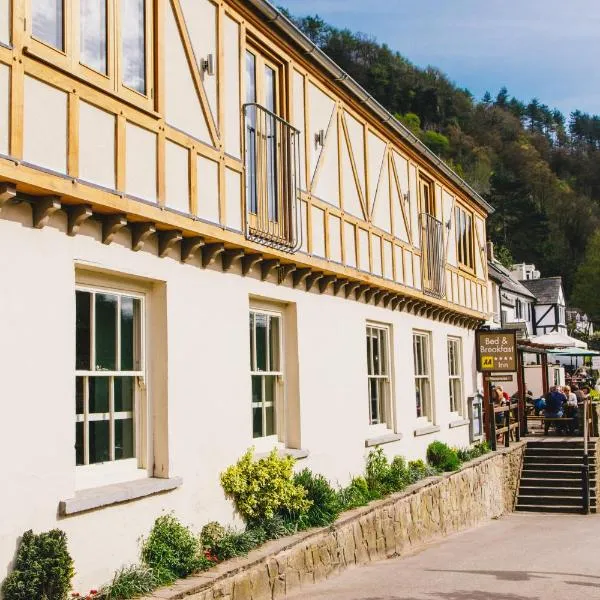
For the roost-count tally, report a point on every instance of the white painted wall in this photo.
(208, 385)
(96, 145)
(5, 21)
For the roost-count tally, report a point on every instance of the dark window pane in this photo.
(270, 383)
(124, 439)
(270, 420)
(99, 399)
(251, 327)
(99, 441)
(133, 33)
(257, 422)
(274, 344)
(79, 454)
(78, 395)
(130, 334)
(47, 21)
(124, 387)
(257, 388)
(261, 341)
(93, 34)
(373, 400)
(82, 330)
(106, 332)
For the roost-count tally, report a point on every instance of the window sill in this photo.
(107, 495)
(297, 453)
(383, 439)
(427, 430)
(458, 423)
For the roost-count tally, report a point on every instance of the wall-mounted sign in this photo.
(496, 351)
(503, 378)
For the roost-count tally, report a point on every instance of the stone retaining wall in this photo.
(433, 508)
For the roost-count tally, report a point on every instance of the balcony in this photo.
(272, 155)
(433, 256)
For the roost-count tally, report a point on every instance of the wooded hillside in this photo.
(539, 169)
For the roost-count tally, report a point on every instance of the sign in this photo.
(496, 351)
(505, 378)
(596, 363)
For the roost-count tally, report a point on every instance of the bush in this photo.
(43, 568)
(325, 504)
(275, 528)
(130, 582)
(355, 494)
(261, 489)
(418, 469)
(235, 543)
(442, 457)
(475, 451)
(212, 533)
(172, 551)
(383, 477)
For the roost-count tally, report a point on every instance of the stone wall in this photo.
(433, 508)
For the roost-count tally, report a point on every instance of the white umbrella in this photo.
(558, 340)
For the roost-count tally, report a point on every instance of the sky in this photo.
(549, 49)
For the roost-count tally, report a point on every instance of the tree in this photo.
(587, 280)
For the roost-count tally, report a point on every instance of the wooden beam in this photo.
(190, 246)
(76, 216)
(140, 232)
(360, 290)
(228, 257)
(110, 226)
(210, 253)
(350, 287)
(369, 294)
(248, 262)
(167, 239)
(43, 208)
(7, 192)
(381, 295)
(267, 266)
(312, 279)
(338, 285)
(285, 270)
(387, 298)
(299, 276)
(325, 281)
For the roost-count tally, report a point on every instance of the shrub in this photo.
(235, 543)
(130, 582)
(43, 568)
(418, 469)
(383, 477)
(211, 534)
(355, 494)
(479, 449)
(260, 489)
(172, 551)
(325, 504)
(442, 457)
(275, 528)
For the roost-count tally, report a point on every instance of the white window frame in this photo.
(455, 376)
(266, 443)
(382, 373)
(114, 471)
(423, 374)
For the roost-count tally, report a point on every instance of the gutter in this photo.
(280, 22)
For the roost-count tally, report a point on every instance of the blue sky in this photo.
(544, 48)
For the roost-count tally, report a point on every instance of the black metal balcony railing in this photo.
(272, 153)
(433, 256)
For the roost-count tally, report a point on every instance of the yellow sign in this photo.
(496, 351)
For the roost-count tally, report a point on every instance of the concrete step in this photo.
(556, 482)
(553, 458)
(574, 445)
(549, 500)
(550, 473)
(534, 465)
(532, 490)
(548, 508)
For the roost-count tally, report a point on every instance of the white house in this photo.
(550, 307)
(211, 238)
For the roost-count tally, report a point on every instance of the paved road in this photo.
(519, 557)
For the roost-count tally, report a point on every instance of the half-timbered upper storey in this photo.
(217, 126)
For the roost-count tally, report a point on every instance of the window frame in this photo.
(116, 470)
(427, 183)
(464, 251)
(456, 379)
(385, 404)
(426, 377)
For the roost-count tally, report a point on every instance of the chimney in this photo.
(490, 250)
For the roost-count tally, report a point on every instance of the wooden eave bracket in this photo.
(228, 257)
(360, 290)
(210, 253)
(190, 246)
(381, 295)
(8, 191)
(369, 294)
(140, 232)
(299, 276)
(398, 301)
(284, 271)
(167, 239)
(312, 279)
(350, 287)
(325, 282)
(76, 215)
(339, 285)
(267, 266)
(43, 208)
(111, 226)
(248, 262)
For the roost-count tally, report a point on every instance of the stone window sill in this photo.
(107, 495)
(386, 438)
(458, 423)
(297, 453)
(427, 430)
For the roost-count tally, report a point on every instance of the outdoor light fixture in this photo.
(320, 138)
(448, 224)
(406, 196)
(208, 65)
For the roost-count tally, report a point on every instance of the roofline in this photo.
(279, 21)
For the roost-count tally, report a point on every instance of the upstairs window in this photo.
(464, 238)
(48, 22)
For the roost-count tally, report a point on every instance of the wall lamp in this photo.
(207, 65)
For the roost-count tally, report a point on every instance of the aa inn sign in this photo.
(496, 351)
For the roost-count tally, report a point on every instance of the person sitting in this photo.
(554, 407)
(539, 405)
(571, 408)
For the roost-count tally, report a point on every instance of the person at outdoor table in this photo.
(500, 398)
(571, 409)
(554, 406)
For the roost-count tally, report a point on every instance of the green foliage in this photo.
(212, 533)
(276, 527)
(587, 279)
(130, 582)
(43, 568)
(233, 543)
(474, 451)
(411, 122)
(436, 142)
(260, 489)
(172, 551)
(504, 256)
(355, 494)
(325, 504)
(442, 457)
(418, 469)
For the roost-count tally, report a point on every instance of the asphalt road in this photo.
(519, 557)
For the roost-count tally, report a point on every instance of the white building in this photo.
(550, 308)
(211, 239)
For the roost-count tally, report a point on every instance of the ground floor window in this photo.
(422, 364)
(265, 370)
(455, 375)
(378, 374)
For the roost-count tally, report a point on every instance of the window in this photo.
(464, 238)
(109, 369)
(378, 369)
(422, 361)
(48, 22)
(518, 309)
(133, 48)
(265, 370)
(92, 35)
(426, 197)
(455, 375)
